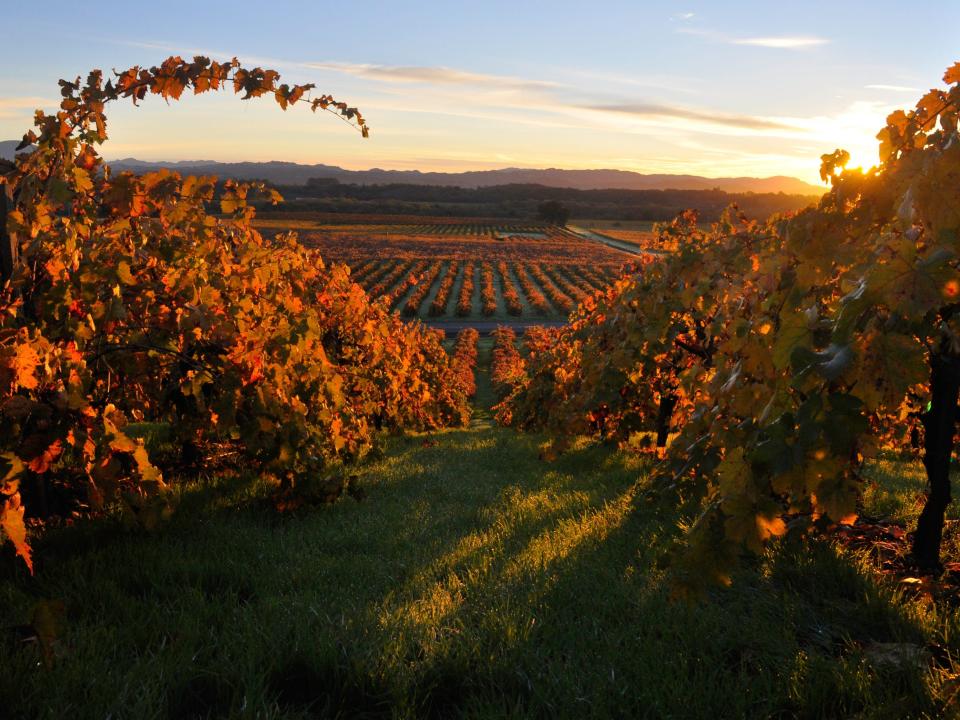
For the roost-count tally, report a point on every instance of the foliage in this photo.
(464, 360)
(130, 302)
(782, 353)
(465, 301)
(488, 296)
(381, 197)
(536, 298)
(511, 299)
(506, 363)
(421, 289)
(442, 298)
(356, 241)
(553, 212)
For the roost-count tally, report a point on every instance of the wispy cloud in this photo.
(435, 75)
(453, 92)
(781, 42)
(519, 117)
(682, 16)
(894, 88)
(667, 112)
(674, 84)
(18, 106)
(521, 101)
(786, 42)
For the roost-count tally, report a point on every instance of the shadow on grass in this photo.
(474, 581)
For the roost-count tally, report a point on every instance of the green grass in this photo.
(474, 581)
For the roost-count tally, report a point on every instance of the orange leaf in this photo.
(11, 521)
(44, 460)
(24, 366)
(952, 75)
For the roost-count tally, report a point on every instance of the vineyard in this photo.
(267, 468)
(473, 271)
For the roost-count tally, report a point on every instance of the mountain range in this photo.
(288, 173)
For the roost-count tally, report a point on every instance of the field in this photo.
(443, 269)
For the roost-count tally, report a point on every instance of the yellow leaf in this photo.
(81, 179)
(121, 443)
(25, 363)
(148, 471)
(733, 472)
(794, 330)
(123, 273)
(11, 522)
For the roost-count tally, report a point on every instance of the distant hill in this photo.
(8, 148)
(288, 173)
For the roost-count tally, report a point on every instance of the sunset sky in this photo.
(749, 88)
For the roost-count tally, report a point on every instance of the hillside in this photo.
(8, 149)
(288, 173)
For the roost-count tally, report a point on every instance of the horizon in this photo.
(665, 88)
(196, 162)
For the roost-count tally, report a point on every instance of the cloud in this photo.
(780, 42)
(437, 75)
(667, 112)
(674, 84)
(682, 16)
(22, 106)
(894, 88)
(24, 102)
(517, 116)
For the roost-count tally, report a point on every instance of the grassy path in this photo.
(474, 581)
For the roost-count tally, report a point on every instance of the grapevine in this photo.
(465, 301)
(783, 354)
(126, 303)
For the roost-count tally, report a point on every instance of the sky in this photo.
(703, 88)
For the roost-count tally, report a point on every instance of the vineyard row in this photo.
(425, 288)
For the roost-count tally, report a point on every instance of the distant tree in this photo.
(322, 182)
(553, 212)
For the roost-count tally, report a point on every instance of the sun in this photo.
(863, 156)
(856, 131)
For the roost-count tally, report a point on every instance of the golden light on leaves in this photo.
(778, 385)
(143, 306)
